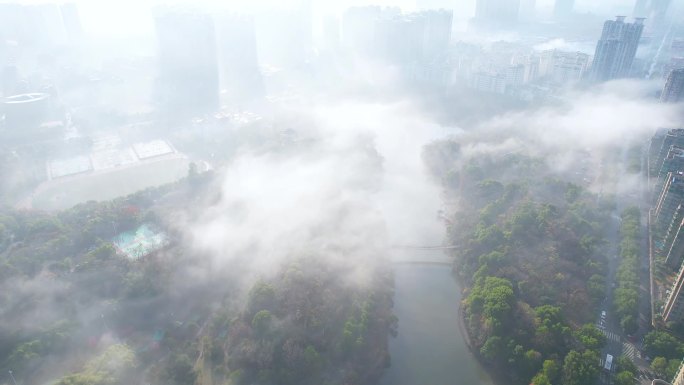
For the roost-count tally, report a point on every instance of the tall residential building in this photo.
(237, 50)
(515, 75)
(677, 47)
(331, 33)
(644, 8)
(72, 22)
(285, 37)
(488, 82)
(562, 9)
(38, 26)
(674, 87)
(654, 11)
(188, 64)
(563, 67)
(616, 49)
(9, 78)
(661, 145)
(673, 243)
(387, 34)
(358, 27)
(400, 39)
(497, 13)
(654, 148)
(528, 10)
(671, 196)
(532, 68)
(435, 4)
(437, 34)
(568, 67)
(673, 311)
(673, 162)
(679, 377)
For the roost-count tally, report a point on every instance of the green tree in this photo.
(659, 366)
(625, 378)
(261, 323)
(180, 369)
(672, 368)
(531, 361)
(540, 379)
(262, 296)
(629, 324)
(193, 174)
(580, 368)
(113, 366)
(623, 363)
(4, 233)
(590, 337)
(493, 349)
(312, 360)
(662, 344)
(551, 369)
(597, 287)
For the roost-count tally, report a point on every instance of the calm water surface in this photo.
(430, 349)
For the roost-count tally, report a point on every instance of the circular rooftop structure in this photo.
(25, 110)
(35, 97)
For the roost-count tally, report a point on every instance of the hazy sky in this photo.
(132, 17)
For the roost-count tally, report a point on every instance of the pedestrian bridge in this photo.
(427, 248)
(417, 259)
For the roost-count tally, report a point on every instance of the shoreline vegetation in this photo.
(533, 245)
(316, 319)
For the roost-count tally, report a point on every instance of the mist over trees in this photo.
(222, 192)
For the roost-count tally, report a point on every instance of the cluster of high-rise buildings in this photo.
(613, 59)
(666, 171)
(497, 13)
(418, 43)
(39, 25)
(203, 58)
(655, 13)
(197, 52)
(507, 13)
(674, 86)
(31, 107)
(396, 37)
(33, 28)
(508, 67)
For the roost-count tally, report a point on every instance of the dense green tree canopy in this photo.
(663, 344)
(580, 368)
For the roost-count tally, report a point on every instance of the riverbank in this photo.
(462, 325)
(496, 376)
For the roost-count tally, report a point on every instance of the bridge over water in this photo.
(417, 259)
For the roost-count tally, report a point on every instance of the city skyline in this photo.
(485, 192)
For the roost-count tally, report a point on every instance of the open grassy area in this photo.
(62, 194)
